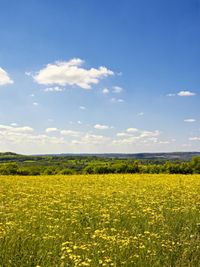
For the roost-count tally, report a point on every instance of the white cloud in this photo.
(182, 93)
(24, 129)
(105, 91)
(91, 139)
(189, 120)
(4, 78)
(71, 73)
(117, 89)
(101, 127)
(117, 100)
(70, 133)
(132, 130)
(186, 93)
(35, 104)
(27, 73)
(82, 107)
(50, 130)
(149, 133)
(196, 138)
(164, 142)
(27, 140)
(140, 114)
(171, 94)
(54, 89)
(136, 136)
(22, 140)
(121, 134)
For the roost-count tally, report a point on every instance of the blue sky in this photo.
(99, 76)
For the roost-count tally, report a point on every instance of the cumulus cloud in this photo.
(70, 133)
(101, 127)
(186, 93)
(71, 73)
(91, 139)
(27, 140)
(132, 130)
(54, 89)
(4, 78)
(121, 134)
(105, 91)
(117, 89)
(136, 136)
(195, 138)
(63, 132)
(189, 120)
(182, 93)
(24, 129)
(13, 124)
(50, 130)
(149, 133)
(117, 100)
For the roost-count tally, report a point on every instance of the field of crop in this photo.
(100, 220)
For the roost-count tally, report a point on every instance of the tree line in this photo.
(103, 167)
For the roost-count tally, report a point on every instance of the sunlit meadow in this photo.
(100, 220)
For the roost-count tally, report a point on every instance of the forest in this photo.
(15, 164)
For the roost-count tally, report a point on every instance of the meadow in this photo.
(100, 220)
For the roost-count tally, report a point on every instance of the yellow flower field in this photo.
(100, 220)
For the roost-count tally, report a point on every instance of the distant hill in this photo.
(181, 156)
(185, 156)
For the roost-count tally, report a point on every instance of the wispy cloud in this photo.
(92, 139)
(117, 100)
(54, 89)
(82, 107)
(123, 134)
(50, 130)
(101, 127)
(132, 130)
(53, 139)
(14, 124)
(182, 93)
(195, 138)
(4, 78)
(136, 136)
(70, 133)
(189, 120)
(117, 89)
(35, 104)
(171, 94)
(24, 129)
(105, 91)
(71, 73)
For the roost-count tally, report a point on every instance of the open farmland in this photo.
(100, 220)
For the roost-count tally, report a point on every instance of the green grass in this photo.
(100, 220)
